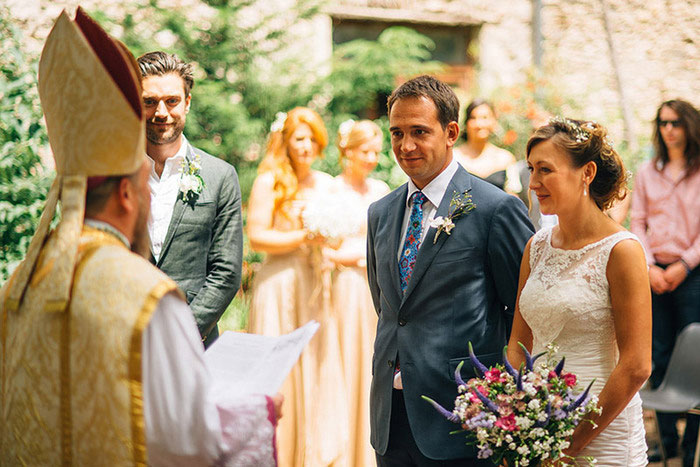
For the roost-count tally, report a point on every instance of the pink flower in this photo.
(507, 423)
(569, 379)
(494, 376)
(552, 374)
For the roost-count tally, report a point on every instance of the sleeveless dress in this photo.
(357, 322)
(566, 300)
(286, 294)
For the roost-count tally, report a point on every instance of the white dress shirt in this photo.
(164, 191)
(434, 191)
(190, 418)
(188, 421)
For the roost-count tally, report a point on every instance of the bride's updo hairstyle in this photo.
(587, 142)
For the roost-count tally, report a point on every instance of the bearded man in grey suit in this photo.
(435, 291)
(195, 223)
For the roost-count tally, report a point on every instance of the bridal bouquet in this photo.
(333, 216)
(522, 416)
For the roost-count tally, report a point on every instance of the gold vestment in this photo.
(71, 379)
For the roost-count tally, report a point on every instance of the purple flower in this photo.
(445, 413)
(581, 398)
(475, 362)
(487, 402)
(509, 367)
(560, 366)
(529, 359)
(485, 452)
(458, 374)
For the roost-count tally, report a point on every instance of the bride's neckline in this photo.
(584, 247)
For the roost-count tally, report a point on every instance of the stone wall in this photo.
(657, 44)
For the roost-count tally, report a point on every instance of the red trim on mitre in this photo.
(94, 182)
(112, 58)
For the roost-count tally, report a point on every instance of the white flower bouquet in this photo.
(522, 417)
(333, 216)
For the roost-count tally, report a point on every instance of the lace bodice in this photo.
(566, 300)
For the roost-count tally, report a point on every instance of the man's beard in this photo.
(155, 137)
(141, 242)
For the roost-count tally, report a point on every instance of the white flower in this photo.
(344, 132)
(333, 216)
(534, 404)
(278, 124)
(511, 446)
(523, 423)
(523, 450)
(529, 389)
(188, 183)
(443, 223)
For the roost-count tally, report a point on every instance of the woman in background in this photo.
(481, 158)
(313, 430)
(359, 144)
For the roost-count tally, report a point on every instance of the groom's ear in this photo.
(452, 131)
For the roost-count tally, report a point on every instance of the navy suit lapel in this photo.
(428, 249)
(178, 211)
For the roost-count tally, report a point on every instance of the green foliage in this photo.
(364, 70)
(240, 80)
(521, 108)
(23, 182)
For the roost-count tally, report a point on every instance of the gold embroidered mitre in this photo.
(90, 91)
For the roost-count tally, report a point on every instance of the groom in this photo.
(435, 293)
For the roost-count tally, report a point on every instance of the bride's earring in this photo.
(585, 191)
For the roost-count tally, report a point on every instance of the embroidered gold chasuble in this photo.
(71, 373)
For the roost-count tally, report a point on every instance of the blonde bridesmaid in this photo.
(359, 144)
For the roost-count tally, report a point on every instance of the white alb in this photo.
(566, 300)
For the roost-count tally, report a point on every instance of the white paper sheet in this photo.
(243, 363)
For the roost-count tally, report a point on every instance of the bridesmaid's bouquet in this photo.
(333, 215)
(520, 416)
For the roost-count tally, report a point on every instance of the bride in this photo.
(584, 285)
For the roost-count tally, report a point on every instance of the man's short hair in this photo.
(97, 197)
(440, 93)
(160, 63)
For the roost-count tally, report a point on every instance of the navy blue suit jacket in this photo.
(463, 288)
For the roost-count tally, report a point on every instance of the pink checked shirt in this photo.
(666, 215)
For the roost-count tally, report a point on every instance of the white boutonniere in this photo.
(191, 182)
(461, 203)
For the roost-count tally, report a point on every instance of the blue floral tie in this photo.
(413, 238)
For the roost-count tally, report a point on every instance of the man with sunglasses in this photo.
(665, 207)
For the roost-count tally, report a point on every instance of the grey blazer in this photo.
(203, 247)
(462, 289)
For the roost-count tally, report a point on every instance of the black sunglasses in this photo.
(674, 123)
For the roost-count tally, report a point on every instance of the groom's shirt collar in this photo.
(435, 190)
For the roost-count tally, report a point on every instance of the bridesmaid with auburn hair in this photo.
(359, 144)
(313, 431)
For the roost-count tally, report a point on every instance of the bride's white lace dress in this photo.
(566, 300)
